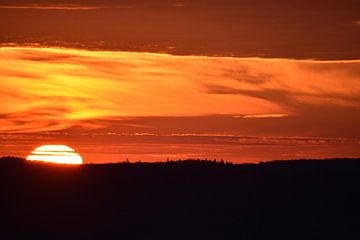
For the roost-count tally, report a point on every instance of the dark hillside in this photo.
(304, 199)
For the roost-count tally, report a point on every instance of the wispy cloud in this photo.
(266, 116)
(178, 4)
(70, 7)
(86, 85)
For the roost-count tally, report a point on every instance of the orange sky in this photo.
(121, 94)
(178, 79)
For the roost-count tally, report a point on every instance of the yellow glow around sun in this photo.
(55, 154)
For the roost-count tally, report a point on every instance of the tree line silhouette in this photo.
(190, 199)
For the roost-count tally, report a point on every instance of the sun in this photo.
(55, 154)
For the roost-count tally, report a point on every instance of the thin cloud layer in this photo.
(53, 89)
(266, 116)
(319, 29)
(64, 7)
(113, 147)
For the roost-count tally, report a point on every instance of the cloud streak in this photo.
(266, 116)
(66, 7)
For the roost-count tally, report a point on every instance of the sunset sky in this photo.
(243, 81)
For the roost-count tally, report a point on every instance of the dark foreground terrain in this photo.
(181, 200)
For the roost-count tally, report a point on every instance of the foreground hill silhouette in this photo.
(305, 199)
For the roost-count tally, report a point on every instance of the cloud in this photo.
(178, 5)
(294, 84)
(66, 7)
(283, 141)
(51, 88)
(246, 75)
(273, 115)
(199, 28)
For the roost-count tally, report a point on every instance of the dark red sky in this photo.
(255, 80)
(271, 28)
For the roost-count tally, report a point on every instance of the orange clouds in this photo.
(53, 89)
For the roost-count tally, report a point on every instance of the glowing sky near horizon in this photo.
(239, 80)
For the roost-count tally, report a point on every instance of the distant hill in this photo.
(301, 199)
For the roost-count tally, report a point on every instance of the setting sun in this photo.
(55, 154)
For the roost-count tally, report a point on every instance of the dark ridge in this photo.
(189, 199)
